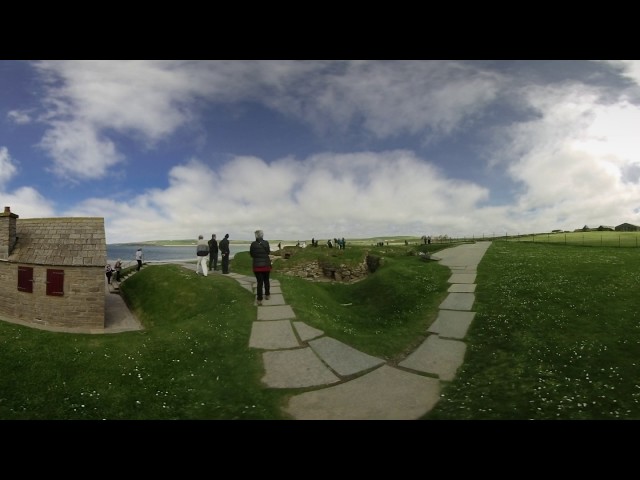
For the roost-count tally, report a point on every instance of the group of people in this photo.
(207, 254)
(259, 251)
(109, 271)
(339, 243)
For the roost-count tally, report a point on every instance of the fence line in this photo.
(587, 239)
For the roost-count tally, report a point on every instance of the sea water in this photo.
(154, 253)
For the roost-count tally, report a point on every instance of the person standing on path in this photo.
(224, 250)
(118, 268)
(202, 252)
(139, 259)
(108, 271)
(259, 251)
(213, 253)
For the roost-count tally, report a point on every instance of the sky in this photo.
(167, 150)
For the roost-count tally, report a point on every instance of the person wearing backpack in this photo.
(259, 251)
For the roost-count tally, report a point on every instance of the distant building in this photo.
(52, 271)
(627, 227)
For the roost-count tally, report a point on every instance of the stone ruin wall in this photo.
(316, 272)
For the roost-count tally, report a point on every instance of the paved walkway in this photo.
(342, 383)
(351, 385)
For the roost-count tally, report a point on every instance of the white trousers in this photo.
(201, 266)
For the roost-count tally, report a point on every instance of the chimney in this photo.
(7, 233)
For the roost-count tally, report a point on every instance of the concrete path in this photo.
(347, 384)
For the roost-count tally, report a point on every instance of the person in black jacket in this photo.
(224, 250)
(259, 251)
(213, 253)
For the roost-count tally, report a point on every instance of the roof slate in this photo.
(77, 241)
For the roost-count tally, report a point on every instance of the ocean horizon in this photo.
(160, 254)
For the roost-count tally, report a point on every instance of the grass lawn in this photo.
(556, 336)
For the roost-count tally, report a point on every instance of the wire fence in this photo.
(587, 239)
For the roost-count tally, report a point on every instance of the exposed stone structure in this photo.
(317, 272)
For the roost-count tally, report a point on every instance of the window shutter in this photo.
(25, 279)
(55, 282)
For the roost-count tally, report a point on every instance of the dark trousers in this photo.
(139, 264)
(225, 263)
(213, 261)
(263, 282)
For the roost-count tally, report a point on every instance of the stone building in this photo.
(627, 227)
(52, 271)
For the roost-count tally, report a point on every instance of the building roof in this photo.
(70, 241)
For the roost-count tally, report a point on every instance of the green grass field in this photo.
(556, 336)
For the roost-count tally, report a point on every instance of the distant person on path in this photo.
(213, 253)
(108, 271)
(224, 250)
(202, 252)
(139, 259)
(279, 245)
(259, 251)
(118, 267)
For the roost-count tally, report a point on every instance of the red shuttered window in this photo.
(55, 282)
(25, 279)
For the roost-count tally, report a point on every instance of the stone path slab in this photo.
(278, 312)
(342, 358)
(386, 393)
(305, 332)
(458, 301)
(297, 368)
(462, 288)
(452, 324)
(274, 299)
(462, 278)
(272, 335)
(437, 356)
(463, 255)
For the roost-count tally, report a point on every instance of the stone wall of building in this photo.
(81, 306)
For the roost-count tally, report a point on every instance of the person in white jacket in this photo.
(202, 253)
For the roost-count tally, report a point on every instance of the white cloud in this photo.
(78, 151)
(7, 168)
(20, 117)
(573, 162)
(26, 202)
(628, 68)
(386, 98)
(148, 101)
(323, 196)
